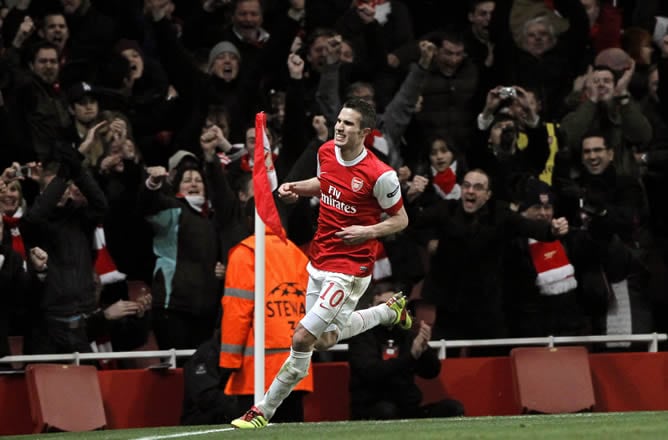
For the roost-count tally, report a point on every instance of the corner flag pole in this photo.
(258, 317)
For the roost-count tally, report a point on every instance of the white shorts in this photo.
(331, 298)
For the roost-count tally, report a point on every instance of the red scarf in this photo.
(555, 274)
(105, 266)
(12, 223)
(445, 180)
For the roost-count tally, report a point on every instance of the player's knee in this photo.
(303, 340)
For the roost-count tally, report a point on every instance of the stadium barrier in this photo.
(170, 356)
(632, 381)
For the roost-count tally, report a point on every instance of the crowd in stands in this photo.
(127, 136)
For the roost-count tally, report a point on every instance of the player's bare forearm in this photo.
(302, 188)
(391, 225)
(308, 188)
(357, 234)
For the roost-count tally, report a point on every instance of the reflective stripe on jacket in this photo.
(285, 305)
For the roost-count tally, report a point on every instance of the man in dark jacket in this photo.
(618, 203)
(204, 398)
(221, 83)
(464, 279)
(62, 221)
(40, 109)
(383, 364)
(15, 281)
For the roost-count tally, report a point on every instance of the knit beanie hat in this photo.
(222, 47)
(614, 58)
(125, 44)
(536, 192)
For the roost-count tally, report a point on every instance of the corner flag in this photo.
(264, 179)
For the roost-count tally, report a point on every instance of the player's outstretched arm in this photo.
(289, 192)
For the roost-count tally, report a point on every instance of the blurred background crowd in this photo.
(550, 108)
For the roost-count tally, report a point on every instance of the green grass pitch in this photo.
(590, 426)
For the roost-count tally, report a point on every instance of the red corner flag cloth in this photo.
(265, 180)
(104, 264)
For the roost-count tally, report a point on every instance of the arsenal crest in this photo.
(356, 184)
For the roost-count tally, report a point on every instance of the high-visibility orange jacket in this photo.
(285, 305)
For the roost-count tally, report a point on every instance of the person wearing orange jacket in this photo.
(285, 306)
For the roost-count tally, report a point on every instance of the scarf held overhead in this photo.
(555, 273)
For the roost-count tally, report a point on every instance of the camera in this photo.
(23, 171)
(507, 93)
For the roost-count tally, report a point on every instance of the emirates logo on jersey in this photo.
(356, 184)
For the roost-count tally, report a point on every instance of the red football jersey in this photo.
(352, 192)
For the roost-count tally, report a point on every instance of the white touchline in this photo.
(183, 434)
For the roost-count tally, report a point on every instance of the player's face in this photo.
(348, 134)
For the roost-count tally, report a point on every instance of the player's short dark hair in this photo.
(366, 110)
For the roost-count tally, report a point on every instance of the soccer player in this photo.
(355, 189)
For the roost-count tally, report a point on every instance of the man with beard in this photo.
(41, 108)
(464, 276)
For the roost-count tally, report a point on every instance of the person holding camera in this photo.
(531, 141)
(511, 152)
(539, 47)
